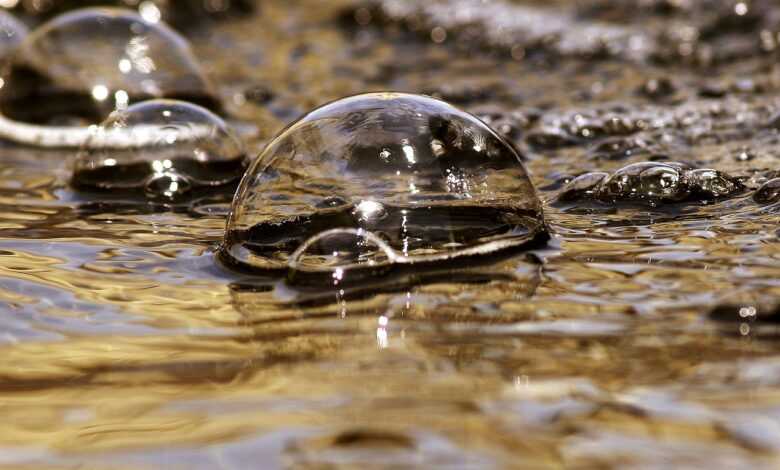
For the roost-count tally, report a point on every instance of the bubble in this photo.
(711, 184)
(768, 193)
(651, 183)
(645, 181)
(173, 147)
(12, 32)
(583, 186)
(414, 179)
(88, 62)
(178, 12)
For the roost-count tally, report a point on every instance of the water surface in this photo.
(126, 345)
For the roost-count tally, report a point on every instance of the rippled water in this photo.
(126, 345)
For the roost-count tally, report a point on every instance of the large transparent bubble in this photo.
(377, 179)
(89, 62)
(171, 148)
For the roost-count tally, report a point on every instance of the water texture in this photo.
(642, 335)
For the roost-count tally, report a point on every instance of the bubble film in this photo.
(172, 148)
(88, 62)
(429, 181)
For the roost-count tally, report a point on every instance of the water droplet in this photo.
(172, 147)
(78, 63)
(745, 155)
(711, 184)
(430, 181)
(768, 193)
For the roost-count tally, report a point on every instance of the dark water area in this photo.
(644, 334)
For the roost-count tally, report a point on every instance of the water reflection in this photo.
(129, 347)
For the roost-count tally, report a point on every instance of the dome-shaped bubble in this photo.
(91, 61)
(169, 148)
(431, 181)
(768, 193)
(333, 254)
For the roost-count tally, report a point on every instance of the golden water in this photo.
(125, 345)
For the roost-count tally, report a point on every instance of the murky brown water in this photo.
(125, 345)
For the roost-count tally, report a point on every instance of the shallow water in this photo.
(126, 345)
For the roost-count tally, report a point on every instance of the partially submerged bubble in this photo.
(173, 147)
(645, 181)
(431, 182)
(768, 193)
(651, 183)
(88, 62)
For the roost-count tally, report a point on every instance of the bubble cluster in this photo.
(88, 62)
(378, 179)
(651, 183)
(172, 148)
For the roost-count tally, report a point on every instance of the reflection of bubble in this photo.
(88, 62)
(341, 248)
(173, 147)
(428, 180)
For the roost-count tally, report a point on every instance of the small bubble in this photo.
(768, 193)
(583, 186)
(363, 16)
(745, 156)
(171, 148)
(438, 35)
(122, 52)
